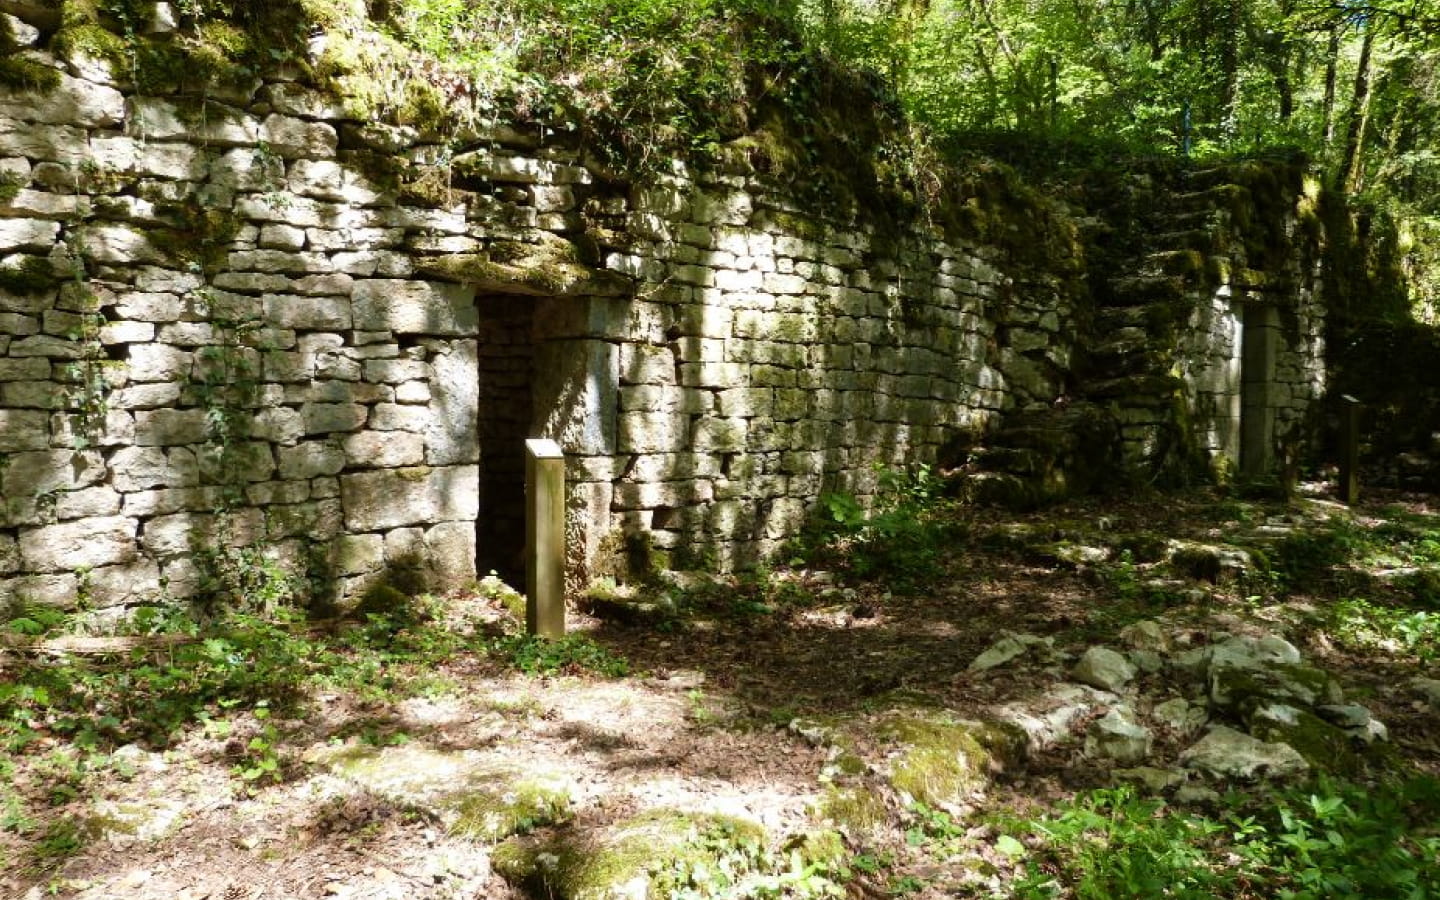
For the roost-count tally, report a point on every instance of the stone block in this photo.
(415, 307)
(311, 459)
(157, 362)
(575, 386)
(384, 449)
(85, 543)
(449, 428)
(236, 463)
(23, 429)
(357, 554)
(282, 237)
(33, 369)
(38, 235)
(170, 427)
(121, 585)
(281, 261)
(200, 121)
(141, 468)
(643, 364)
(717, 435)
(395, 371)
(653, 432)
(87, 502)
(391, 417)
(71, 102)
(278, 424)
(450, 555)
(46, 345)
(375, 501)
(307, 312)
(337, 284)
(320, 520)
(57, 591)
(156, 307)
(324, 418)
(276, 493)
(34, 473)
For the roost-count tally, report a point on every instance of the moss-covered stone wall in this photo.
(245, 314)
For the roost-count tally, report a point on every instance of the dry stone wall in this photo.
(260, 321)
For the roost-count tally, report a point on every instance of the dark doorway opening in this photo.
(1260, 341)
(506, 420)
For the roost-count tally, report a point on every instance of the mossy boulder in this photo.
(1234, 686)
(939, 760)
(1325, 747)
(474, 800)
(651, 855)
(853, 809)
(491, 814)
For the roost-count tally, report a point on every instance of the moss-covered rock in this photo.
(854, 809)
(939, 760)
(1325, 747)
(473, 800)
(652, 855)
(492, 814)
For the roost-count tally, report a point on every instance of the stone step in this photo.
(1206, 240)
(1136, 390)
(1139, 290)
(1222, 196)
(1110, 319)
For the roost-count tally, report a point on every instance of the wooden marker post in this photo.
(544, 539)
(1349, 450)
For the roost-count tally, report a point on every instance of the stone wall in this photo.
(264, 321)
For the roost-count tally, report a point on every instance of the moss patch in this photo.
(648, 856)
(27, 275)
(940, 761)
(550, 267)
(492, 815)
(27, 75)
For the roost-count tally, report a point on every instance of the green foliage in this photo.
(1330, 840)
(1363, 625)
(901, 540)
(724, 861)
(571, 654)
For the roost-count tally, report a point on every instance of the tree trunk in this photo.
(1351, 163)
(1332, 62)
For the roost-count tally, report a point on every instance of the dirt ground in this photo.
(701, 723)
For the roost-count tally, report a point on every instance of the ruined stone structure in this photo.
(224, 321)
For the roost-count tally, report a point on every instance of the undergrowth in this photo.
(1327, 840)
(901, 539)
(178, 674)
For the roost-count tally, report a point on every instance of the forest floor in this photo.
(346, 786)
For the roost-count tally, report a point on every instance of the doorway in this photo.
(506, 420)
(1260, 343)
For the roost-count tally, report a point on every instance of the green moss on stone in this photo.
(1324, 746)
(21, 74)
(94, 41)
(941, 761)
(30, 275)
(640, 857)
(493, 815)
(856, 809)
(10, 185)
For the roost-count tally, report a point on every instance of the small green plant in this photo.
(262, 761)
(901, 540)
(1331, 840)
(571, 654)
(1363, 624)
